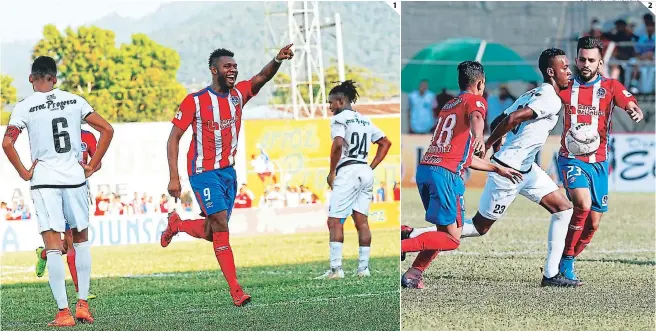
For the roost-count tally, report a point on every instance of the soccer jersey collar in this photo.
(590, 83)
(222, 95)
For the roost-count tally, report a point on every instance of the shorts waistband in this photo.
(347, 163)
(507, 166)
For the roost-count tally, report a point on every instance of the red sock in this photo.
(226, 260)
(194, 228)
(70, 258)
(434, 240)
(575, 229)
(424, 259)
(44, 255)
(586, 237)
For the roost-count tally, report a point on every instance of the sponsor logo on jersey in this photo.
(601, 93)
(480, 104)
(178, 115)
(627, 93)
(84, 146)
(51, 105)
(235, 100)
(357, 121)
(431, 159)
(51, 97)
(452, 103)
(227, 123)
(585, 110)
(604, 200)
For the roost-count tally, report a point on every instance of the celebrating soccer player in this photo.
(590, 99)
(53, 119)
(215, 113)
(350, 177)
(458, 134)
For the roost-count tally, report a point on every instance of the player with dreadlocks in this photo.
(351, 178)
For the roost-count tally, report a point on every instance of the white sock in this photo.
(363, 260)
(336, 255)
(419, 231)
(469, 230)
(556, 241)
(56, 277)
(83, 265)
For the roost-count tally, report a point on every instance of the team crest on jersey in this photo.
(480, 104)
(627, 93)
(601, 93)
(51, 97)
(84, 146)
(604, 200)
(235, 100)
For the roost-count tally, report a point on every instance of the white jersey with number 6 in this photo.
(53, 121)
(524, 141)
(358, 133)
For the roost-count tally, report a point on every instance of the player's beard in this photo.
(588, 76)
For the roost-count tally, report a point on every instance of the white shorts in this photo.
(499, 192)
(352, 191)
(57, 206)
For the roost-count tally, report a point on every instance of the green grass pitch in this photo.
(492, 282)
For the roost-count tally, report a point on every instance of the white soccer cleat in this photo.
(363, 273)
(332, 274)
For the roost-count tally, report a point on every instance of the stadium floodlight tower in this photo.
(305, 33)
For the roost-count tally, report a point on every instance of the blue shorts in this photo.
(215, 190)
(442, 193)
(593, 176)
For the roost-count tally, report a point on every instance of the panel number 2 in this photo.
(360, 147)
(60, 136)
(499, 209)
(206, 194)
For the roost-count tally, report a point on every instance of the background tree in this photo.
(133, 83)
(370, 87)
(7, 96)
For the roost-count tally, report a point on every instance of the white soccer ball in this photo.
(582, 139)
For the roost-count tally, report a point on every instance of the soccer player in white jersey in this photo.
(53, 119)
(351, 178)
(526, 125)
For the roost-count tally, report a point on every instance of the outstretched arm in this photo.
(634, 111)
(271, 68)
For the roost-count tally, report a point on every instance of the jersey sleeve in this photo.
(245, 88)
(621, 96)
(477, 103)
(544, 105)
(85, 109)
(18, 117)
(337, 128)
(376, 133)
(185, 114)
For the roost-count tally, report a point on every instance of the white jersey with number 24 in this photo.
(358, 133)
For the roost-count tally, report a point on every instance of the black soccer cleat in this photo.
(560, 281)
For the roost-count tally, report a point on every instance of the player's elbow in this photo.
(385, 143)
(6, 144)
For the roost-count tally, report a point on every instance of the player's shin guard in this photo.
(424, 259)
(56, 277)
(586, 237)
(556, 241)
(70, 259)
(223, 252)
(416, 232)
(83, 265)
(335, 254)
(575, 229)
(194, 228)
(468, 229)
(363, 257)
(437, 241)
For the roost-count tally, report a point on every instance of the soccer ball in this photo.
(582, 139)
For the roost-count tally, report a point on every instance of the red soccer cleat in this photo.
(171, 229)
(405, 231)
(82, 313)
(239, 298)
(63, 318)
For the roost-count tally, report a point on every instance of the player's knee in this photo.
(218, 222)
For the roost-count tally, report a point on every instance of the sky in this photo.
(19, 21)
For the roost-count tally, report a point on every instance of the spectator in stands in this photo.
(292, 196)
(187, 201)
(421, 103)
(243, 199)
(102, 204)
(645, 52)
(642, 29)
(164, 204)
(441, 100)
(24, 210)
(306, 195)
(4, 211)
(624, 50)
(276, 198)
(397, 191)
(380, 193)
(497, 104)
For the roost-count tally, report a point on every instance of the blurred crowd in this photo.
(18, 210)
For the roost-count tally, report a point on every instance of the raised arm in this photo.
(271, 68)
